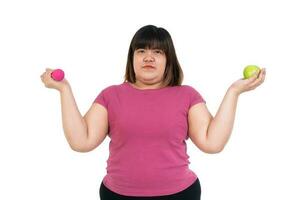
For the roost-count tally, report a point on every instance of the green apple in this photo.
(250, 70)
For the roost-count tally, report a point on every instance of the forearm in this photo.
(221, 126)
(74, 126)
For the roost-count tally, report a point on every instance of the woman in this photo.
(148, 117)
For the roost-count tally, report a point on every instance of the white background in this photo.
(89, 40)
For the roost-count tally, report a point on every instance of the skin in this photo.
(210, 134)
(147, 78)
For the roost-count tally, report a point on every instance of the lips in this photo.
(148, 66)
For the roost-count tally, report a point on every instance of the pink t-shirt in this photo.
(148, 129)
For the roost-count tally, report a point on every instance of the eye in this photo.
(158, 51)
(140, 51)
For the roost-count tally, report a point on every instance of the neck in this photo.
(141, 85)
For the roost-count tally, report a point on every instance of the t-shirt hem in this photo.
(198, 101)
(101, 103)
(146, 194)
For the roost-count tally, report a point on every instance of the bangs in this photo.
(149, 38)
(152, 37)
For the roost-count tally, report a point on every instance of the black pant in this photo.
(193, 192)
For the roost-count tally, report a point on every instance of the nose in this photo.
(148, 57)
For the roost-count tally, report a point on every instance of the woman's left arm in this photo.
(220, 127)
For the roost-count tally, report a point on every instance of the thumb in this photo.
(49, 69)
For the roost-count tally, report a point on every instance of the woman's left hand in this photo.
(243, 85)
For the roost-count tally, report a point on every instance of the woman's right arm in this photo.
(74, 125)
(83, 133)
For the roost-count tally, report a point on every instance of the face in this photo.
(149, 66)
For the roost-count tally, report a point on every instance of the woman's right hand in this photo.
(49, 82)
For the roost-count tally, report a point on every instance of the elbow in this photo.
(210, 149)
(79, 149)
(214, 150)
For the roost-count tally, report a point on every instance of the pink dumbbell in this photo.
(58, 74)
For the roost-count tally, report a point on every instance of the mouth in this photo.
(149, 67)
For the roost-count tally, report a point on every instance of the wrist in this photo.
(64, 88)
(233, 91)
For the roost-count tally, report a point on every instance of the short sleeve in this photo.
(101, 99)
(195, 97)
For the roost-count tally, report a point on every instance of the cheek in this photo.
(163, 63)
(137, 60)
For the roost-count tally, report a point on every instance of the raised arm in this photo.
(82, 133)
(210, 134)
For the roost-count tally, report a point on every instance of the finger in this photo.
(48, 72)
(42, 78)
(48, 69)
(262, 72)
(251, 79)
(256, 82)
(42, 75)
(258, 74)
(259, 80)
(264, 76)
